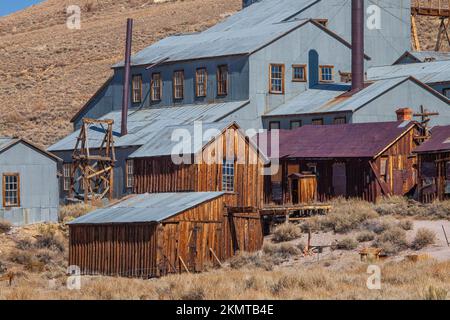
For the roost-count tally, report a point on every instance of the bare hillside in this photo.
(48, 71)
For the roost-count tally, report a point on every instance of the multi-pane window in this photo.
(11, 190)
(137, 88)
(130, 174)
(299, 73)
(326, 73)
(295, 124)
(178, 85)
(156, 87)
(317, 122)
(67, 168)
(228, 176)
(201, 82)
(277, 78)
(447, 93)
(222, 80)
(274, 125)
(340, 120)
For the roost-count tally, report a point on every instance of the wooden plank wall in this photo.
(115, 250)
(438, 191)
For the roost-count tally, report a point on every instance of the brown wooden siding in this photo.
(436, 190)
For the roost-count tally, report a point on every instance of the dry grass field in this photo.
(48, 71)
(37, 255)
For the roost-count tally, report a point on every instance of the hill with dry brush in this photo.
(48, 71)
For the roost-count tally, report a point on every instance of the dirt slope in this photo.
(47, 72)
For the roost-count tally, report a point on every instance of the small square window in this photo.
(11, 190)
(317, 122)
(340, 120)
(326, 73)
(137, 88)
(295, 124)
(299, 73)
(274, 125)
(228, 176)
(277, 78)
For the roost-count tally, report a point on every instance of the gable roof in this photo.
(144, 124)
(147, 208)
(7, 142)
(426, 72)
(222, 43)
(361, 140)
(439, 141)
(424, 56)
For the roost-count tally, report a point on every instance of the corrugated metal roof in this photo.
(426, 72)
(262, 13)
(212, 44)
(318, 100)
(361, 140)
(440, 140)
(147, 208)
(144, 124)
(6, 141)
(162, 143)
(424, 56)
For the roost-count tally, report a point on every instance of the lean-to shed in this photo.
(434, 166)
(29, 187)
(151, 235)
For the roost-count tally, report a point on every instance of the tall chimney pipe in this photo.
(126, 80)
(357, 45)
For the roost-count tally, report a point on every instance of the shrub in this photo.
(3, 267)
(392, 206)
(406, 225)
(378, 226)
(286, 232)
(433, 293)
(424, 237)
(49, 240)
(439, 210)
(347, 244)
(392, 241)
(24, 244)
(194, 293)
(71, 211)
(281, 252)
(366, 236)
(246, 260)
(5, 226)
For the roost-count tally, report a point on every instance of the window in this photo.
(67, 168)
(277, 78)
(326, 74)
(130, 174)
(274, 125)
(384, 169)
(137, 89)
(317, 122)
(178, 85)
(340, 120)
(312, 167)
(11, 190)
(156, 90)
(447, 92)
(295, 124)
(222, 80)
(299, 73)
(201, 82)
(228, 176)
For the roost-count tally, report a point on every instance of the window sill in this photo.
(295, 80)
(276, 93)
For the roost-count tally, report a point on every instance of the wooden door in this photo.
(340, 179)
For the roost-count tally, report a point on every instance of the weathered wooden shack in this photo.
(434, 166)
(195, 207)
(363, 161)
(29, 188)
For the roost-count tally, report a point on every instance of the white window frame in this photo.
(228, 175)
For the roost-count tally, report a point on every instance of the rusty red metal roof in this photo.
(439, 141)
(362, 140)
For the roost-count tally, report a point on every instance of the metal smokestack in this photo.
(126, 80)
(357, 45)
